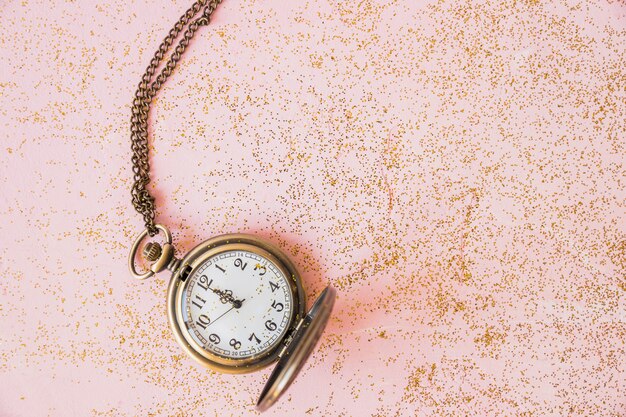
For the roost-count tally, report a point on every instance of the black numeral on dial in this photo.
(204, 283)
(256, 339)
(199, 301)
(270, 325)
(203, 321)
(278, 306)
(261, 268)
(274, 286)
(240, 264)
(220, 268)
(213, 338)
(236, 344)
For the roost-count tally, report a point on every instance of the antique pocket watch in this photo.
(235, 302)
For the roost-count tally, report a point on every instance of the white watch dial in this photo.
(237, 304)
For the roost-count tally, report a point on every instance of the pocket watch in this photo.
(235, 303)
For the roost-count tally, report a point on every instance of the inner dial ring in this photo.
(223, 299)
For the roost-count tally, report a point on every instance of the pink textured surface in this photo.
(455, 169)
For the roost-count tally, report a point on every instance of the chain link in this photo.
(149, 86)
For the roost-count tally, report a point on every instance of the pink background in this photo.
(455, 169)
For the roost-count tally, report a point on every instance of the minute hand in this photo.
(223, 314)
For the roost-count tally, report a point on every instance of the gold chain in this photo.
(143, 201)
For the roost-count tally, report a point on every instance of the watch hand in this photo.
(223, 314)
(227, 297)
(239, 303)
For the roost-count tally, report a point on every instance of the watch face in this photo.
(236, 304)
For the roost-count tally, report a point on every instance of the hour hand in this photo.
(226, 296)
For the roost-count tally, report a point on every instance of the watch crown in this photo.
(152, 251)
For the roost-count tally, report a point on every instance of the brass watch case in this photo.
(187, 267)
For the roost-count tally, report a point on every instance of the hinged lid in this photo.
(304, 339)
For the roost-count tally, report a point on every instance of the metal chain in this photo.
(149, 86)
